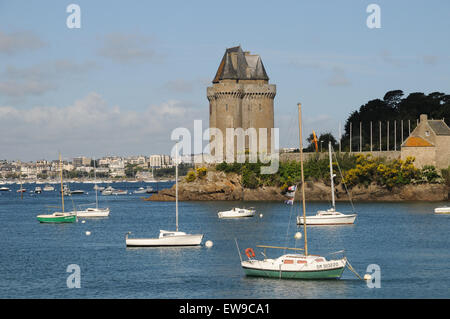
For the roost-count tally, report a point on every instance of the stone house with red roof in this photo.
(428, 143)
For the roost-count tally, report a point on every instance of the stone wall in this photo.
(389, 155)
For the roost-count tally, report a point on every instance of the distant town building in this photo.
(429, 143)
(157, 161)
(81, 161)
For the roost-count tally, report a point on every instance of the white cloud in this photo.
(92, 127)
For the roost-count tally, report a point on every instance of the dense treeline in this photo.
(395, 108)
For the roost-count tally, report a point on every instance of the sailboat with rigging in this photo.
(294, 265)
(168, 238)
(94, 211)
(59, 217)
(329, 216)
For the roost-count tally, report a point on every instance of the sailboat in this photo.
(59, 217)
(329, 216)
(94, 211)
(168, 238)
(294, 265)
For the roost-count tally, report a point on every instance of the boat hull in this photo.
(328, 220)
(172, 241)
(332, 269)
(442, 210)
(314, 274)
(94, 212)
(56, 219)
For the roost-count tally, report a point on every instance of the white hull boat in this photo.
(329, 216)
(48, 188)
(166, 238)
(93, 212)
(237, 213)
(120, 192)
(442, 210)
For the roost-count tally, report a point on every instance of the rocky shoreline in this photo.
(216, 186)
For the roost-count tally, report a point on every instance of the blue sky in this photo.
(136, 70)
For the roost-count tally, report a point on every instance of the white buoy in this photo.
(209, 244)
(83, 221)
(367, 277)
(88, 233)
(298, 235)
(261, 215)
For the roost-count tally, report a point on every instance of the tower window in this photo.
(226, 107)
(260, 109)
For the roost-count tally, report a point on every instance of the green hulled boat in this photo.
(59, 217)
(294, 265)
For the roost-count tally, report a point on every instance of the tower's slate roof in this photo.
(239, 65)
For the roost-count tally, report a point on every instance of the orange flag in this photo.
(315, 141)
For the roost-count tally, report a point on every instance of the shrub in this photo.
(190, 177)
(201, 172)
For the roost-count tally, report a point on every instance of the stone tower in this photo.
(241, 97)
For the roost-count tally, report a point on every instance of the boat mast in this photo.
(62, 190)
(331, 176)
(303, 177)
(96, 186)
(176, 184)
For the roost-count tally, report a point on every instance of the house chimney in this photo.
(423, 118)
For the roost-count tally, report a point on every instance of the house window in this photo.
(427, 133)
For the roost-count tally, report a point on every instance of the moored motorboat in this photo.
(237, 213)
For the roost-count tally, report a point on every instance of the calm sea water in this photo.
(407, 241)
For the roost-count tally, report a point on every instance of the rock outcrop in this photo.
(220, 186)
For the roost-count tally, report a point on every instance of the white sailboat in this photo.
(294, 265)
(94, 211)
(329, 216)
(168, 238)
